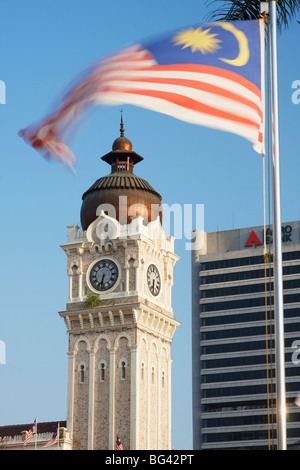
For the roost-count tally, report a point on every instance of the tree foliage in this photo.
(230, 10)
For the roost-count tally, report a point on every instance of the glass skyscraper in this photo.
(234, 389)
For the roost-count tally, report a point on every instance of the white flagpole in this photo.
(277, 241)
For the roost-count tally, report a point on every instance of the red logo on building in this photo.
(253, 240)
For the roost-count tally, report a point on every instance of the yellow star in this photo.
(198, 40)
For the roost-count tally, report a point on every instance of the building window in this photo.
(123, 368)
(102, 367)
(75, 284)
(163, 379)
(81, 372)
(142, 371)
(102, 372)
(152, 375)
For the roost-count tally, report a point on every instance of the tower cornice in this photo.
(102, 319)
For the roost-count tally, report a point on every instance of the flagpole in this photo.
(277, 241)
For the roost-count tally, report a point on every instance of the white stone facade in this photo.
(119, 379)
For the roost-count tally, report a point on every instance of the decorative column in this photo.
(79, 273)
(134, 399)
(70, 402)
(91, 400)
(169, 289)
(148, 398)
(136, 266)
(111, 398)
(127, 277)
(70, 274)
(169, 404)
(159, 403)
(142, 267)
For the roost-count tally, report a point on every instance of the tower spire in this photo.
(122, 125)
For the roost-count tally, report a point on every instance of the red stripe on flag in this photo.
(193, 84)
(194, 68)
(187, 103)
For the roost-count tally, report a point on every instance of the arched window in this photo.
(152, 375)
(163, 379)
(81, 372)
(123, 366)
(123, 369)
(142, 371)
(102, 372)
(74, 292)
(102, 367)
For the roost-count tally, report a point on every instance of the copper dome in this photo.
(122, 143)
(141, 199)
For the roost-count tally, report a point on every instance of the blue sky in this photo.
(43, 46)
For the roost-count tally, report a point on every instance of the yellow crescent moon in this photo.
(244, 53)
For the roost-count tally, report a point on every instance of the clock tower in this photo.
(119, 316)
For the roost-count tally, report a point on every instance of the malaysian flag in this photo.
(52, 441)
(210, 75)
(30, 432)
(119, 443)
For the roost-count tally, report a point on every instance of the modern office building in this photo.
(234, 386)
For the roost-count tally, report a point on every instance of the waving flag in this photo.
(119, 443)
(53, 440)
(30, 432)
(210, 75)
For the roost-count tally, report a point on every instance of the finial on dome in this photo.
(122, 125)
(122, 143)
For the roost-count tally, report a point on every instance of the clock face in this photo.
(153, 280)
(104, 275)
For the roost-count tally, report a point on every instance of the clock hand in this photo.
(101, 282)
